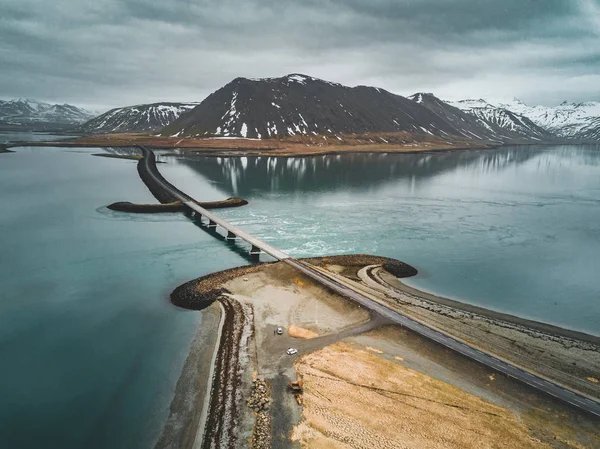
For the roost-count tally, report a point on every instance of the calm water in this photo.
(91, 349)
(29, 136)
(516, 230)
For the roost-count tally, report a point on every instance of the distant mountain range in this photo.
(497, 126)
(567, 120)
(134, 119)
(31, 114)
(299, 105)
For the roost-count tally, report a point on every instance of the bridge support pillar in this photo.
(211, 224)
(231, 236)
(255, 250)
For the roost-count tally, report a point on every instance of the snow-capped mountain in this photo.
(579, 121)
(29, 113)
(139, 118)
(302, 105)
(573, 120)
(496, 125)
(502, 119)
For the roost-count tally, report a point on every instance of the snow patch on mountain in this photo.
(502, 117)
(139, 118)
(24, 111)
(576, 120)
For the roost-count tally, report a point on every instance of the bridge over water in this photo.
(579, 400)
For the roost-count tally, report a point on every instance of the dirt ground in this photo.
(354, 398)
(285, 146)
(281, 297)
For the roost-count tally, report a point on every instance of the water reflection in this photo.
(242, 175)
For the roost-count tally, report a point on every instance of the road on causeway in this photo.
(539, 383)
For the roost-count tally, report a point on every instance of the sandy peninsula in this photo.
(368, 383)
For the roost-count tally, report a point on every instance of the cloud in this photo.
(109, 53)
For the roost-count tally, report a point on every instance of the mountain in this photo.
(572, 120)
(580, 121)
(503, 120)
(139, 118)
(302, 105)
(31, 114)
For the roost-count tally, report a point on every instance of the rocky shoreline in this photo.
(200, 293)
(168, 203)
(175, 206)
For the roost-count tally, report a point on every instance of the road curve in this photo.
(578, 400)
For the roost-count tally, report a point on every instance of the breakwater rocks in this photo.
(149, 174)
(4, 149)
(260, 401)
(229, 202)
(126, 206)
(392, 266)
(175, 206)
(203, 291)
(155, 182)
(199, 293)
(220, 430)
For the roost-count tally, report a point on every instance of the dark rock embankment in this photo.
(175, 206)
(260, 402)
(200, 293)
(150, 175)
(126, 206)
(203, 291)
(395, 267)
(225, 399)
(4, 149)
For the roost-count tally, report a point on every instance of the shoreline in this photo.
(200, 431)
(296, 151)
(202, 292)
(193, 386)
(495, 315)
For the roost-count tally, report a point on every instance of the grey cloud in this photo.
(111, 52)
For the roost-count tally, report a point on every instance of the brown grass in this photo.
(285, 146)
(356, 399)
(300, 332)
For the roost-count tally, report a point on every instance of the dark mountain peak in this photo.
(421, 97)
(298, 104)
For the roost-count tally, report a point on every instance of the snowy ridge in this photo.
(567, 120)
(503, 118)
(30, 112)
(480, 120)
(576, 120)
(139, 118)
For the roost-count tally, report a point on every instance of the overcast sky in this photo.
(106, 53)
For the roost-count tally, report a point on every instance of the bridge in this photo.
(539, 383)
(199, 212)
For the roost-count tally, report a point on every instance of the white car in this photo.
(279, 331)
(292, 351)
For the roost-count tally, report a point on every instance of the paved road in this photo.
(150, 164)
(539, 383)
